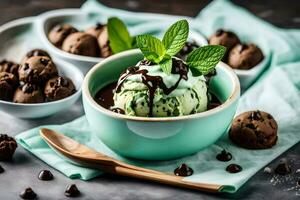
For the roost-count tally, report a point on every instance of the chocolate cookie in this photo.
(227, 39)
(8, 146)
(254, 130)
(9, 66)
(59, 33)
(245, 56)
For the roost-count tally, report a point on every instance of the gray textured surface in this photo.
(24, 169)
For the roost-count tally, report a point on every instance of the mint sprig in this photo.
(152, 48)
(175, 37)
(161, 52)
(201, 61)
(119, 37)
(204, 59)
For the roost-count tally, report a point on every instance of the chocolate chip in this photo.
(283, 167)
(45, 175)
(62, 82)
(243, 47)
(234, 168)
(28, 193)
(219, 32)
(8, 146)
(118, 110)
(1, 169)
(230, 34)
(255, 115)
(58, 28)
(72, 191)
(44, 61)
(26, 66)
(27, 88)
(224, 156)
(251, 126)
(98, 26)
(183, 170)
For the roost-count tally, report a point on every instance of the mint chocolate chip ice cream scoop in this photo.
(145, 90)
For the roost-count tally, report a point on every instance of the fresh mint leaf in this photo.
(204, 59)
(166, 66)
(152, 48)
(119, 37)
(175, 37)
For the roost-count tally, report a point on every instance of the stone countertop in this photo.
(24, 169)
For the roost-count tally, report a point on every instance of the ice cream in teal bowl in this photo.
(164, 104)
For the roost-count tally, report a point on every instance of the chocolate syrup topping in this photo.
(234, 168)
(45, 175)
(155, 82)
(224, 156)
(183, 170)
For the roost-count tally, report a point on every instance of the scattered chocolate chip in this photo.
(224, 156)
(183, 170)
(72, 191)
(1, 169)
(234, 168)
(28, 194)
(219, 32)
(283, 167)
(45, 175)
(268, 170)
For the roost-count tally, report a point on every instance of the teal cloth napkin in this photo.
(277, 92)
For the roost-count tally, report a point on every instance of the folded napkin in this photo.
(277, 92)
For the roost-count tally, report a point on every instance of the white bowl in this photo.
(38, 110)
(82, 21)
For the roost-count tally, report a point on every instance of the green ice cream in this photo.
(190, 96)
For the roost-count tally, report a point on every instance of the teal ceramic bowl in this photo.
(157, 138)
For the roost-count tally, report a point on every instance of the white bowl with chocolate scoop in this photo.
(38, 110)
(82, 21)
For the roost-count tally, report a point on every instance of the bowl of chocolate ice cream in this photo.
(38, 86)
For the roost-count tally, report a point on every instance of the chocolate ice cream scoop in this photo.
(8, 83)
(8, 146)
(59, 33)
(81, 44)
(227, 39)
(245, 56)
(95, 30)
(103, 42)
(37, 70)
(28, 93)
(9, 66)
(58, 88)
(35, 52)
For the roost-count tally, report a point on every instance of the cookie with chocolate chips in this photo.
(245, 56)
(254, 130)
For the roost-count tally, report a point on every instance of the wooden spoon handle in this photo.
(167, 179)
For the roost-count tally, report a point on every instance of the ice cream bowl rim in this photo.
(86, 94)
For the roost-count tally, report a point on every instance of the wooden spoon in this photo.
(87, 157)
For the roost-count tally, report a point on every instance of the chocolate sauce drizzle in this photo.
(155, 82)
